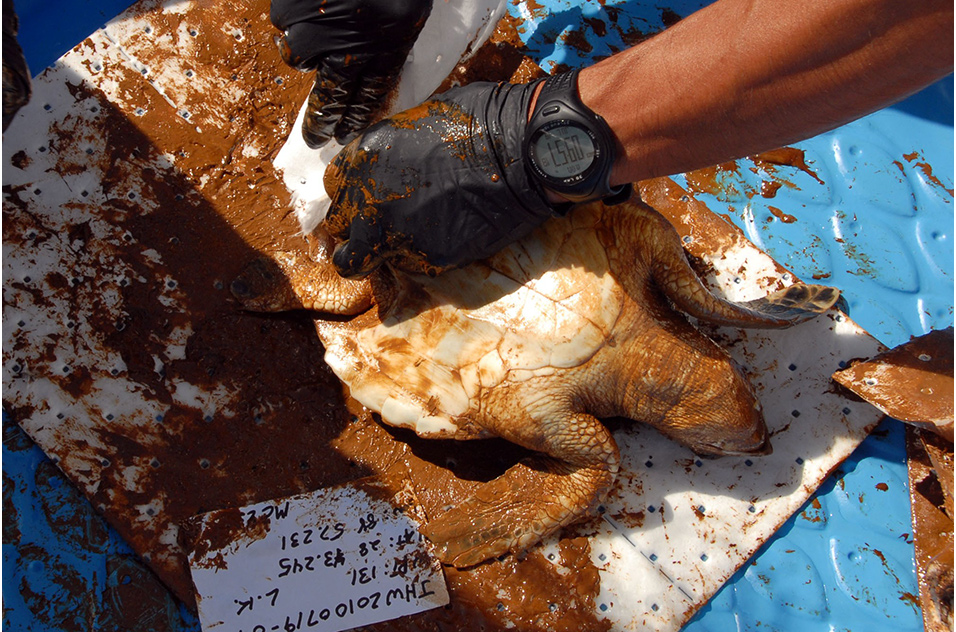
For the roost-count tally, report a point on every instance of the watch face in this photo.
(563, 151)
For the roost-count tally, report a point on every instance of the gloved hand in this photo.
(356, 47)
(437, 186)
(16, 75)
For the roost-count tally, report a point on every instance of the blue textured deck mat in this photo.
(879, 226)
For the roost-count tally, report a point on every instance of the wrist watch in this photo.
(568, 148)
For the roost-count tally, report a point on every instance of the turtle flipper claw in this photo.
(289, 281)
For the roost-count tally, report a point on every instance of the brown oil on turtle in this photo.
(582, 320)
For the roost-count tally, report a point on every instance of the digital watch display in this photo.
(564, 151)
(568, 148)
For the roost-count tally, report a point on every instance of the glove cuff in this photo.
(507, 120)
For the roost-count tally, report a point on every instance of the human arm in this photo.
(743, 76)
(737, 78)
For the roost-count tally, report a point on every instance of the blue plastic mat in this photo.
(880, 228)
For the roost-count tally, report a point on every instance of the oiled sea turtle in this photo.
(574, 323)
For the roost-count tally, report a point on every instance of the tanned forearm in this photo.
(744, 76)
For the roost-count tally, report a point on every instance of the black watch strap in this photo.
(563, 85)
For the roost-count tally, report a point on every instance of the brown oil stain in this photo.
(783, 217)
(814, 516)
(630, 519)
(788, 157)
(930, 467)
(71, 609)
(598, 26)
(221, 529)
(577, 39)
(912, 382)
(501, 56)
(769, 188)
(711, 179)
(927, 170)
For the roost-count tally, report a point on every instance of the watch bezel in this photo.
(569, 182)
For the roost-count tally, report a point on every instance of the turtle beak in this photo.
(759, 446)
(764, 449)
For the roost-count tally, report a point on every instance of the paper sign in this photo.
(330, 560)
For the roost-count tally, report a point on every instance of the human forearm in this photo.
(743, 76)
(445, 183)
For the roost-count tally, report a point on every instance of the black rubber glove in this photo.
(437, 186)
(356, 47)
(16, 76)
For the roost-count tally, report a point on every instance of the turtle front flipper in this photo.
(674, 276)
(798, 302)
(532, 500)
(784, 308)
(291, 280)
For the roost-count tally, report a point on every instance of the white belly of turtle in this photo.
(548, 305)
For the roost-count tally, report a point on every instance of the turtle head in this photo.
(747, 437)
(741, 436)
(722, 417)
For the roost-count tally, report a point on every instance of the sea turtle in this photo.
(574, 323)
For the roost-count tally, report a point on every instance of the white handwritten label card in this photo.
(330, 560)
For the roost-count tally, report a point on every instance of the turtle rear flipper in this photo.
(784, 308)
(644, 235)
(289, 281)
